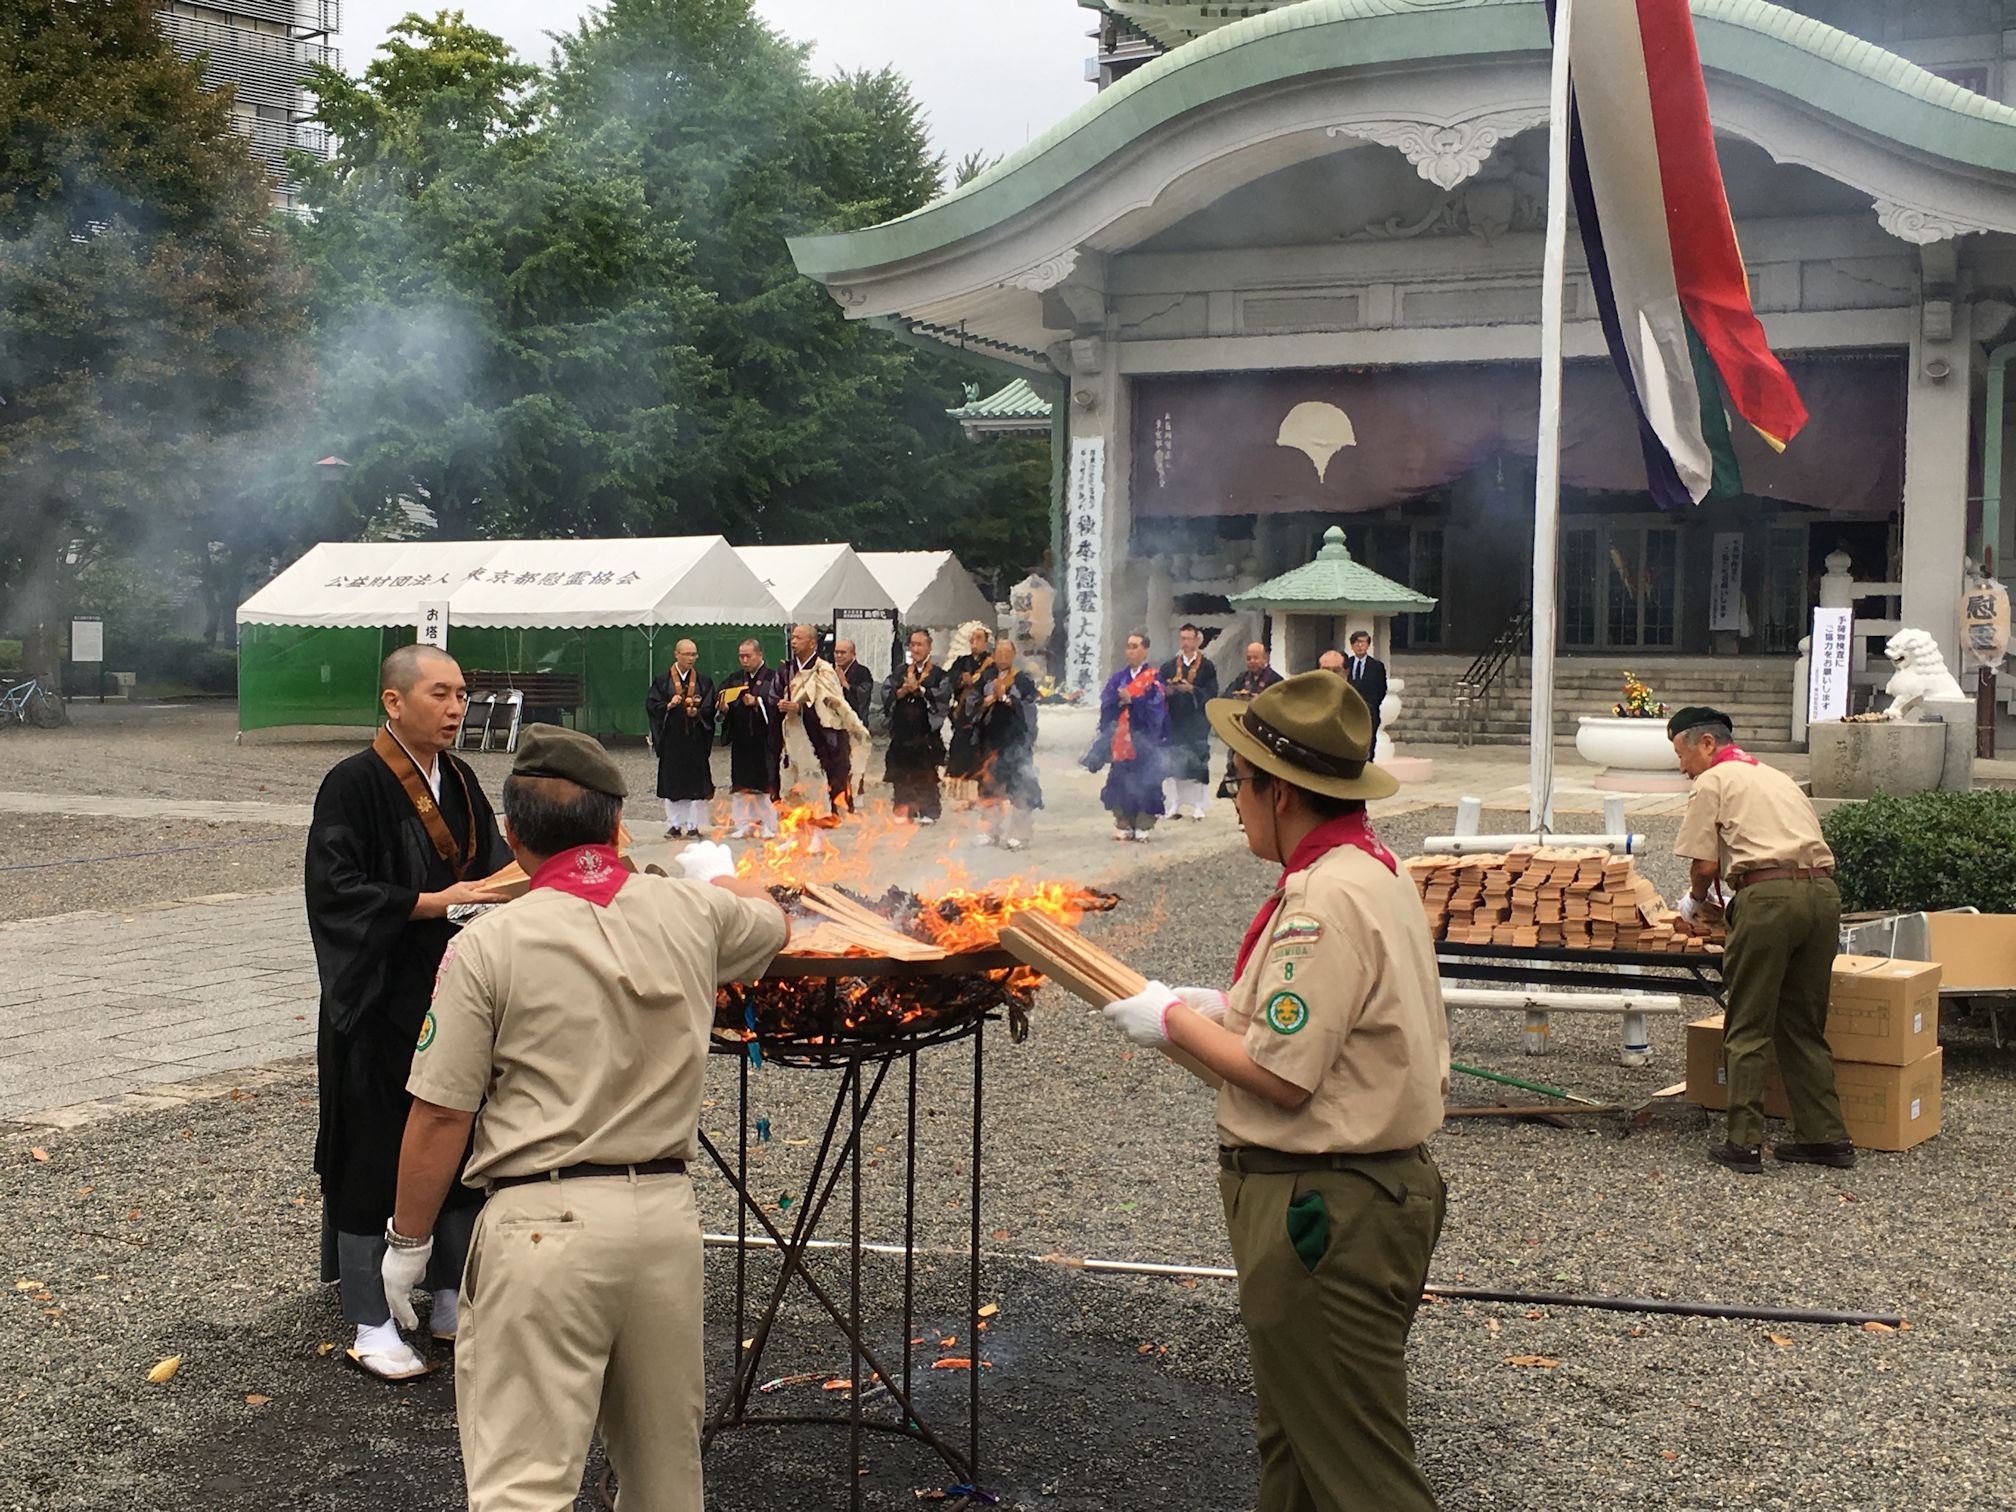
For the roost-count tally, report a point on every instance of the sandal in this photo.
(400, 1364)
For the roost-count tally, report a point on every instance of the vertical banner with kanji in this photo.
(1831, 661)
(434, 624)
(1085, 554)
(1725, 582)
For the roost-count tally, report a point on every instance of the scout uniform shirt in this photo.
(1748, 817)
(581, 1031)
(1342, 998)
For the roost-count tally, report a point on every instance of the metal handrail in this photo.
(1475, 686)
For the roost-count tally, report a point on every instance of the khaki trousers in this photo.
(582, 1301)
(1331, 1266)
(1777, 971)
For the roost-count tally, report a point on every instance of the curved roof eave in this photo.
(1805, 60)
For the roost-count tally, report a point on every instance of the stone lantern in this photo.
(1315, 608)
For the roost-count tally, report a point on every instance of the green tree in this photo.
(502, 329)
(738, 146)
(148, 320)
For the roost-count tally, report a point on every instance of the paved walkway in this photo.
(137, 1007)
(96, 806)
(95, 1005)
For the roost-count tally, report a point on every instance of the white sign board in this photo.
(434, 623)
(1725, 582)
(87, 639)
(1832, 663)
(1084, 576)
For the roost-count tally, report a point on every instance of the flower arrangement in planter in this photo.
(1638, 702)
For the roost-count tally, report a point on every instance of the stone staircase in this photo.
(1755, 691)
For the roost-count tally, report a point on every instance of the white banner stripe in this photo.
(1607, 57)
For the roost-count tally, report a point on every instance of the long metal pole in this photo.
(1547, 471)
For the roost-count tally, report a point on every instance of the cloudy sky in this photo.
(990, 73)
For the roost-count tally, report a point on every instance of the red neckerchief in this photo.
(594, 872)
(1123, 732)
(1732, 753)
(1351, 829)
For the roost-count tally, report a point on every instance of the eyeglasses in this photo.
(1229, 787)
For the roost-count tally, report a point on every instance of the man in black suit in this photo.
(1367, 674)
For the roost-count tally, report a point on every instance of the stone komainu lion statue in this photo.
(1921, 674)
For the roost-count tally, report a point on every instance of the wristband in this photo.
(396, 1240)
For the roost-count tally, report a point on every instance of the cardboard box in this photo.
(1708, 1078)
(1885, 1107)
(1974, 950)
(1883, 1012)
(1891, 1107)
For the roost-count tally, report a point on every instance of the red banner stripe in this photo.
(1707, 266)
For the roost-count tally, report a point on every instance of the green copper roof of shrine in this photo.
(1017, 402)
(1334, 584)
(1806, 60)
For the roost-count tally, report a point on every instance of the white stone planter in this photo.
(1636, 754)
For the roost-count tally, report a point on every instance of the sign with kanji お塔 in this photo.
(434, 624)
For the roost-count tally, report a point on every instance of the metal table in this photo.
(1556, 966)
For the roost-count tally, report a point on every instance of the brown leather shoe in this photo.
(1748, 1159)
(1838, 1153)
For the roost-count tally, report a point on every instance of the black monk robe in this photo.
(682, 715)
(369, 859)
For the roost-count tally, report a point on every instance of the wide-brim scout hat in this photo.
(1312, 729)
(546, 750)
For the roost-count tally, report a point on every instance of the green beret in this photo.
(1694, 716)
(546, 750)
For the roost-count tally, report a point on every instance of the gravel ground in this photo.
(194, 1231)
(61, 863)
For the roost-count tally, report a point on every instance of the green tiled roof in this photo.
(1018, 401)
(1334, 584)
(1805, 60)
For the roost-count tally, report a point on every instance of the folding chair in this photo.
(510, 710)
(475, 731)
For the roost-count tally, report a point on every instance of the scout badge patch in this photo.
(426, 1031)
(1285, 1013)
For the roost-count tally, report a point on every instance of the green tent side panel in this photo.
(309, 675)
(615, 663)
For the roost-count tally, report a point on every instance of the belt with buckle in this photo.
(1778, 874)
(1385, 1169)
(590, 1168)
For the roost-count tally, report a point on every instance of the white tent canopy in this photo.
(571, 584)
(932, 591)
(363, 583)
(812, 581)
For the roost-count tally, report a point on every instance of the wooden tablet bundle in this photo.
(1571, 897)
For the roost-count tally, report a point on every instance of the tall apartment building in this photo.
(263, 48)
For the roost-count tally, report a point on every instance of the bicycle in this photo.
(30, 703)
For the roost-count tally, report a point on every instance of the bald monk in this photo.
(401, 833)
(682, 714)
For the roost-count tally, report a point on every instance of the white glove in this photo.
(1209, 1002)
(1691, 907)
(705, 860)
(402, 1270)
(1143, 1017)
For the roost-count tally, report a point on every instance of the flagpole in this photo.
(1547, 471)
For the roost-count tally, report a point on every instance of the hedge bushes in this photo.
(10, 656)
(1927, 851)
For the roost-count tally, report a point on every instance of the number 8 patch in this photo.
(1286, 1013)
